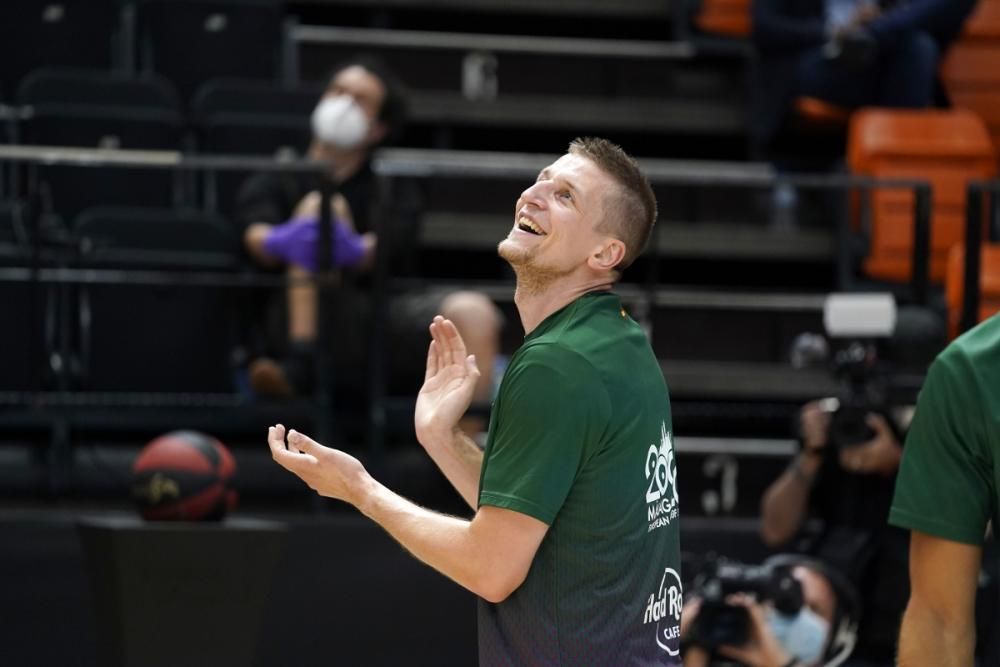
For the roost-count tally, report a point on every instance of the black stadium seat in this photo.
(62, 85)
(40, 33)
(21, 338)
(100, 110)
(191, 41)
(157, 338)
(242, 117)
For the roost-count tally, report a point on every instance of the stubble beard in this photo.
(532, 278)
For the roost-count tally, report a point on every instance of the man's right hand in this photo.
(448, 384)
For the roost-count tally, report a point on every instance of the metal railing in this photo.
(391, 166)
(982, 204)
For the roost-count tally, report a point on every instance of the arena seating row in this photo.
(186, 41)
(727, 358)
(639, 90)
(968, 71)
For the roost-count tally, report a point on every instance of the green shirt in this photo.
(948, 479)
(580, 438)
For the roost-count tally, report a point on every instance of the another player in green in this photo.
(574, 545)
(946, 493)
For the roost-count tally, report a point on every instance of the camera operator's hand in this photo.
(694, 656)
(880, 455)
(763, 648)
(688, 614)
(814, 425)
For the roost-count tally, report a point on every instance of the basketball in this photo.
(184, 476)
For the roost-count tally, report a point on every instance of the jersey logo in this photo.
(661, 473)
(664, 609)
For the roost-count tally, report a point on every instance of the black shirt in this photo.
(272, 198)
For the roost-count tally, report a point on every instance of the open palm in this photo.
(448, 384)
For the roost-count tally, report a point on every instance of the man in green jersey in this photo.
(946, 493)
(573, 548)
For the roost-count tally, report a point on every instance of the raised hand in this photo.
(448, 384)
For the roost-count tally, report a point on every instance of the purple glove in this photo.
(296, 240)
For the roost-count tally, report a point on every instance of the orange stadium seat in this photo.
(946, 148)
(817, 112)
(724, 17)
(970, 70)
(989, 284)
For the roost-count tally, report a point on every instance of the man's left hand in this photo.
(329, 472)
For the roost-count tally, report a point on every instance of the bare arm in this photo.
(489, 555)
(938, 626)
(784, 505)
(253, 241)
(460, 460)
(447, 392)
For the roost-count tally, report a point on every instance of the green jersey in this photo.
(580, 438)
(948, 479)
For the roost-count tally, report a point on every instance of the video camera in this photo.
(858, 328)
(720, 623)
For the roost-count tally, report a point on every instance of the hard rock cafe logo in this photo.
(664, 609)
(661, 472)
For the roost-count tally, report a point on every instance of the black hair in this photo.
(394, 109)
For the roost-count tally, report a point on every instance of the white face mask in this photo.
(803, 635)
(340, 122)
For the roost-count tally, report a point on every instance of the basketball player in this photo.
(946, 493)
(573, 548)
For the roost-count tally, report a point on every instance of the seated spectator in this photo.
(362, 107)
(848, 486)
(850, 53)
(798, 611)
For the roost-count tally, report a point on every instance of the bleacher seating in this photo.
(716, 268)
(656, 97)
(246, 117)
(722, 295)
(969, 70)
(91, 109)
(21, 340)
(724, 17)
(69, 33)
(191, 41)
(156, 337)
(989, 284)
(946, 148)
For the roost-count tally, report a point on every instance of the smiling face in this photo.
(556, 221)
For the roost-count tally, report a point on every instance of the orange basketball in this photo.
(184, 476)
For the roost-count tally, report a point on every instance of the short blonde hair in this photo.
(630, 213)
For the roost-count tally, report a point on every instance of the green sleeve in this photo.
(944, 487)
(552, 410)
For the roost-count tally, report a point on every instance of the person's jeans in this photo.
(902, 76)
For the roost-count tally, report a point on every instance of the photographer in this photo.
(790, 612)
(847, 486)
